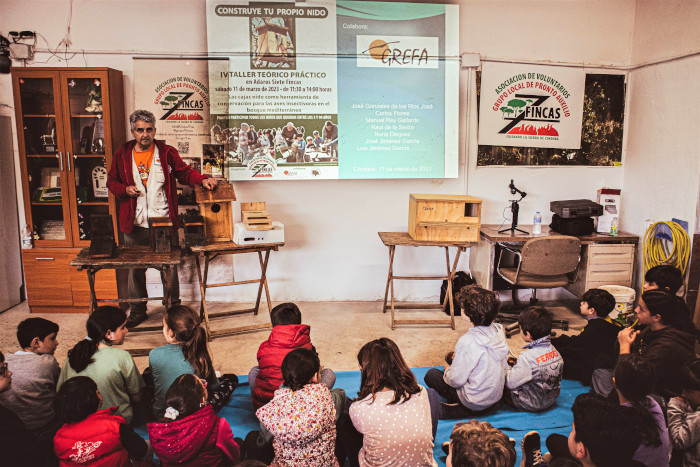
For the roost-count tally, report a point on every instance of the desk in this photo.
(129, 258)
(210, 251)
(391, 240)
(605, 259)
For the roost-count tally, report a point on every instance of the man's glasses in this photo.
(3, 370)
(150, 129)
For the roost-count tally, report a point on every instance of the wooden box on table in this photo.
(215, 208)
(449, 218)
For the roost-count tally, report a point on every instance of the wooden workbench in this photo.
(129, 258)
(394, 239)
(210, 251)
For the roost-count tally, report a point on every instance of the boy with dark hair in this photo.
(533, 383)
(475, 375)
(603, 433)
(479, 443)
(285, 313)
(35, 373)
(663, 277)
(595, 346)
(287, 334)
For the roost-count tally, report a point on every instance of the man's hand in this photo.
(626, 337)
(209, 183)
(132, 191)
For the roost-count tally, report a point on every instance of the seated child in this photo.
(392, 412)
(17, 444)
(603, 434)
(302, 414)
(683, 415)
(287, 334)
(478, 443)
(186, 351)
(113, 370)
(475, 380)
(91, 436)
(35, 372)
(595, 346)
(663, 277)
(191, 433)
(667, 341)
(533, 383)
(634, 379)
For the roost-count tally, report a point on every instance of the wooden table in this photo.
(210, 251)
(393, 239)
(129, 258)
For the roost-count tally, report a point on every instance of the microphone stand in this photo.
(514, 209)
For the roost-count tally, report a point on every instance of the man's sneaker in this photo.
(532, 453)
(135, 319)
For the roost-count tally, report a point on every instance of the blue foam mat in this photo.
(241, 416)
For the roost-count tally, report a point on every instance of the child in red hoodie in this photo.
(287, 334)
(94, 437)
(191, 434)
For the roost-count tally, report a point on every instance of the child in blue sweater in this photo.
(474, 378)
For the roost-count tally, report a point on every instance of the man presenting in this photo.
(142, 178)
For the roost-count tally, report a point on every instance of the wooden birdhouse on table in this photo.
(215, 208)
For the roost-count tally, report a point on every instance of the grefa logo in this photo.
(397, 52)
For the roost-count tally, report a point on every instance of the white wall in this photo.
(662, 175)
(333, 251)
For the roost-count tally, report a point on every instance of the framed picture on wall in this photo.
(601, 132)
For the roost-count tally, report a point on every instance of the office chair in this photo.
(544, 263)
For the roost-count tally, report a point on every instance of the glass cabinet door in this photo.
(85, 136)
(45, 161)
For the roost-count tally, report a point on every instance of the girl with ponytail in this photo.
(186, 351)
(634, 380)
(113, 370)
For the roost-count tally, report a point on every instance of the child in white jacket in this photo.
(474, 381)
(683, 416)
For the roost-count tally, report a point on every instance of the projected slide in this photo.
(335, 90)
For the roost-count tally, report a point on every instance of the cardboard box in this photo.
(447, 218)
(609, 198)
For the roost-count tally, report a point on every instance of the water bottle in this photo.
(26, 238)
(537, 224)
(613, 227)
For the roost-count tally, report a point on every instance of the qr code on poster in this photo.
(183, 147)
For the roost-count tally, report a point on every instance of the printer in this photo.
(574, 216)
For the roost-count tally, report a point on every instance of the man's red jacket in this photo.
(121, 175)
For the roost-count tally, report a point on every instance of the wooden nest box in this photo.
(255, 216)
(215, 208)
(160, 231)
(444, 218)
